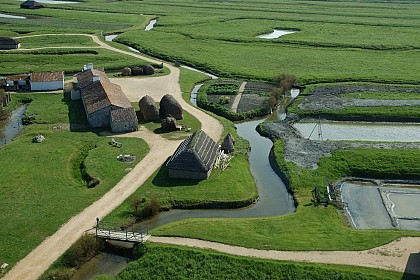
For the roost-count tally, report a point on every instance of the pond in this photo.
(109, 38)
(276, 34)
(336, 131)
(150, 25)
(381, 207)
(12, 126)
(11, 16)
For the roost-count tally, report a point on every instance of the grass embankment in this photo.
(375, 113)
(233, 187)
(333, 43)
(42, 184)
(173, 262)
(310, 227)
(64, 19)
(56, 41)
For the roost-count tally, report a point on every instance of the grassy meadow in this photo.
(223, 189)
(174, 262)
(318, 227)
(42, 184)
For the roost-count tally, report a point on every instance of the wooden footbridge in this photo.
(107, 232)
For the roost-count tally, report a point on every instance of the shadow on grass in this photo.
(76, 112)
(412, 269)
(162, 180)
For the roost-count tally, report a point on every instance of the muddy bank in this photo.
(328, 97)
(306, 153)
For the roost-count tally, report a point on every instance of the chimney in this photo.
(95, 78)
(90, 66)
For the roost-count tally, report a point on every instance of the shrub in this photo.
(81, 251)
(227, 89)
(151, 209)
(224, 100)
(59, 274)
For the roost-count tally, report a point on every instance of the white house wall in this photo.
(47, 86)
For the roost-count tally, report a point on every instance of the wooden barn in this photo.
(105, 103)
(7, 43)
(194, 157)
(31, 4)
(46, 81)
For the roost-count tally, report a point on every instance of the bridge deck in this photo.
(127, 236)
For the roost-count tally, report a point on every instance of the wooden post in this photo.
(97, 225)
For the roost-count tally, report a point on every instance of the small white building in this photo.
(46, 81)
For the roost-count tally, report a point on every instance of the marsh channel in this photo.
(274, 200)
(10, 127)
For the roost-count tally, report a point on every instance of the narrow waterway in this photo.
(276, 34)
(12, 126)
(274, 199)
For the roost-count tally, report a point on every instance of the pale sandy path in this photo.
(34, 264)
(238, 97)
(393, 256)
(40, 259)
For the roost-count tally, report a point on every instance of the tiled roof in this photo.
(8, 41)
(86, 77)
(100, 94)
(47, 76)
(196, 153)
(121, 115)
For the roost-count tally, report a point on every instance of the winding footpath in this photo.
(42, 257)
(400, 255)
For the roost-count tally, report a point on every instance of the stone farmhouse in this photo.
(194, 157)
(104, 102)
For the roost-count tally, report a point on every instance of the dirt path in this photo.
(238, 98)
(402, 255)
(40, 259)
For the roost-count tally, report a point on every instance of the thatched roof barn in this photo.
(169, 106)
(31, 4)
(228, 144)
(194, 157)
(169, 124)
(7, 43)
(148, 109)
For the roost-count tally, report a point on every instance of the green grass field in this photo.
(208, 193)
(56, 41)
(42, 185)
(318, 227)
(163, 262)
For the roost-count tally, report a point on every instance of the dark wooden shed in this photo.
(194, 157)
(31, 4)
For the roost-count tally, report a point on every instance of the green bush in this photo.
(81, 251)
(219, 89)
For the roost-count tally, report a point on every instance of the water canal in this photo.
(2, 15)
(12, 126)
(274, 199)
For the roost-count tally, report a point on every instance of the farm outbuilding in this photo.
(228, 144)
(169, 106)
(194, 157)
(101, 98)
(123, 120)
(46, 81)
(31, 4)
(7, 43)
(148, 109)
